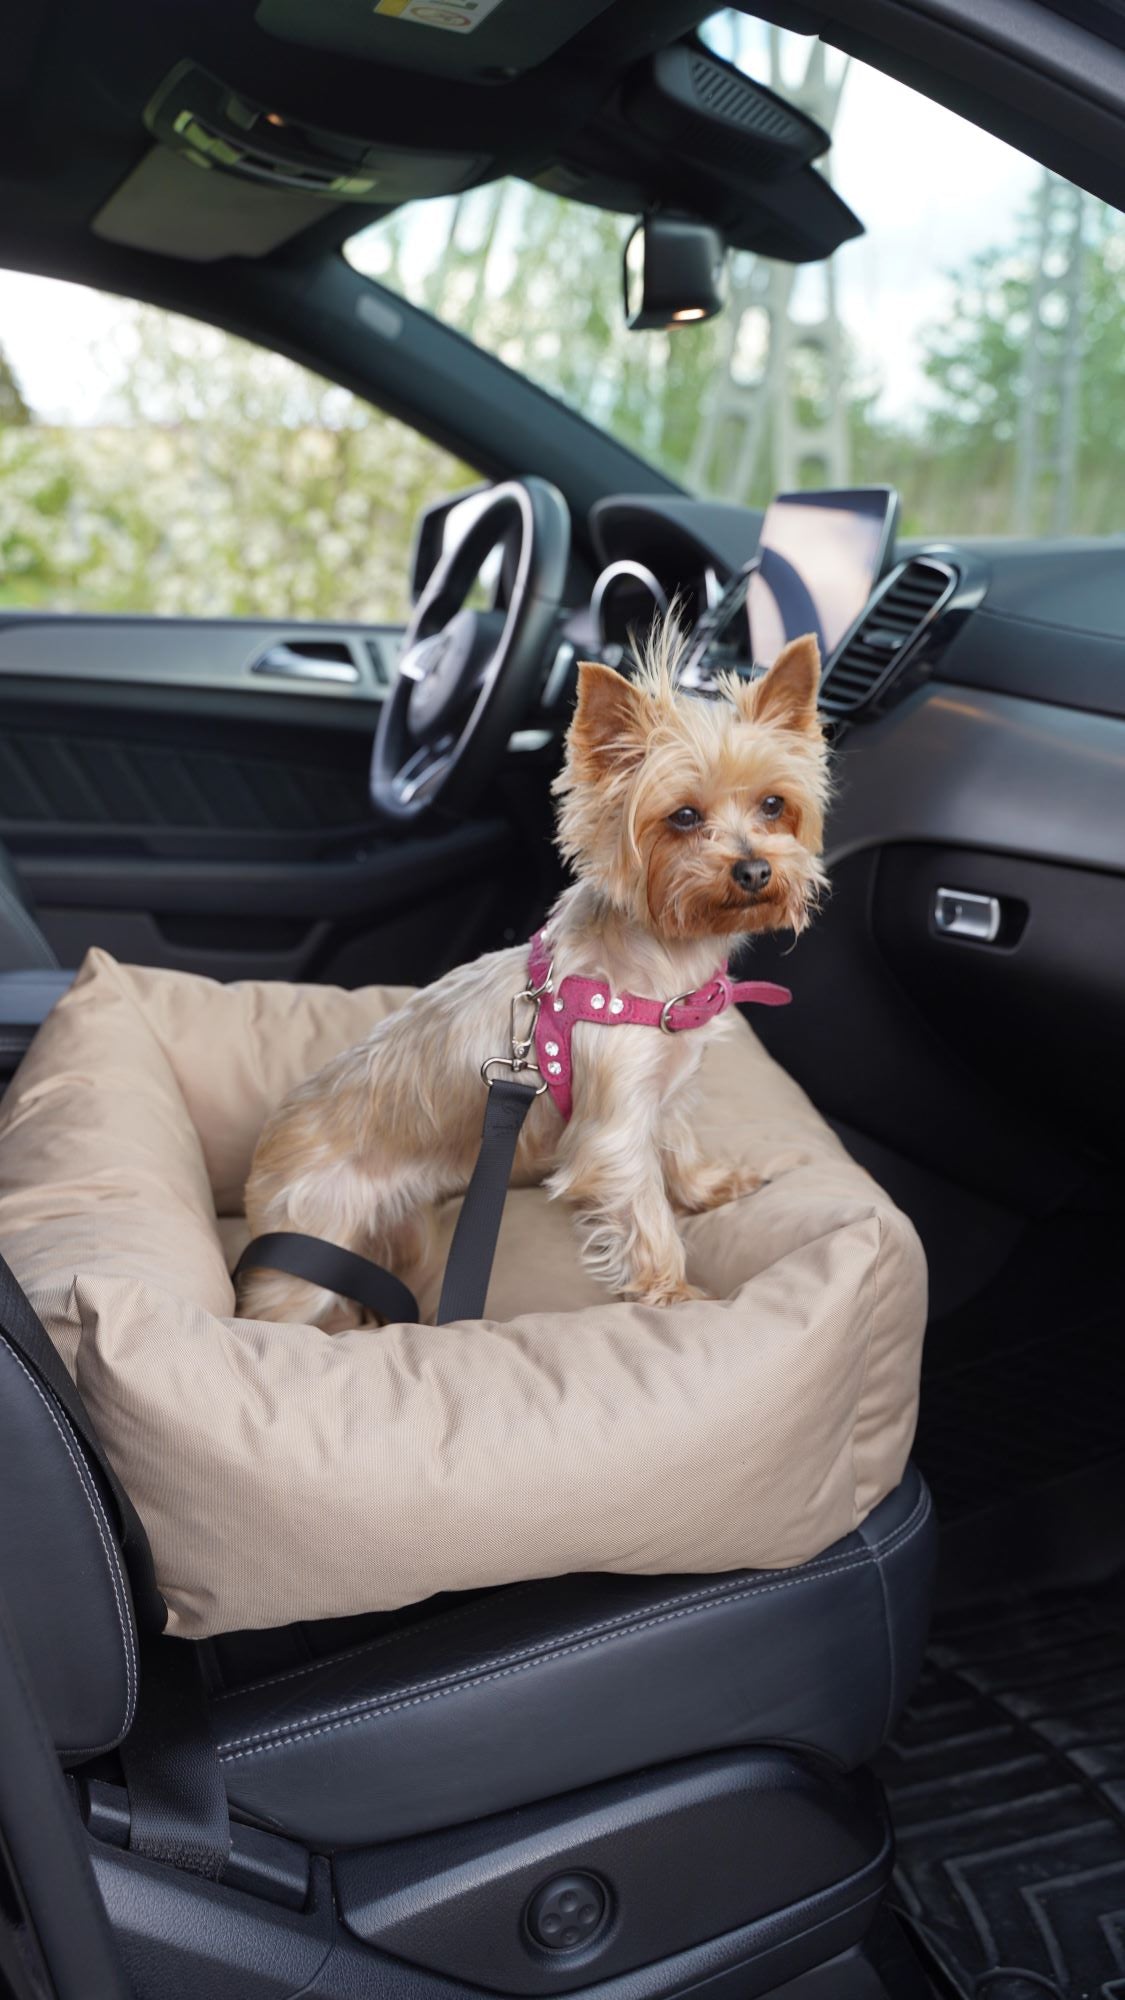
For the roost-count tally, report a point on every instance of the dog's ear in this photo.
(787, 694)
(610, 721)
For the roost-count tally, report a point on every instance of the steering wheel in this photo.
(467, 677)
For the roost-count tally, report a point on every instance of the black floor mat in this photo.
(1006, 1779)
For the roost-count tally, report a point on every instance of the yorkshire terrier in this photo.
(690, 824)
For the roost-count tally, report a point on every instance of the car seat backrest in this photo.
(62, 1577)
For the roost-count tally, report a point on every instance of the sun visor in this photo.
(458, 38)
(168, 205)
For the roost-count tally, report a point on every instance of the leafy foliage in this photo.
(1024, 324)
(13, 409)
(223, 481)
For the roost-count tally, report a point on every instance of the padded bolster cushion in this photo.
(284, 1474)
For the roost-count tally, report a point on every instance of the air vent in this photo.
(877, 651)
(725, 95)
(698, 108)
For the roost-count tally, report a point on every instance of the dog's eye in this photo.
(773, 807)
(685, 818)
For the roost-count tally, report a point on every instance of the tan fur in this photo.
(364, 1151)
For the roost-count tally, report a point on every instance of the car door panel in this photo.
(220, 653)
(166, 801)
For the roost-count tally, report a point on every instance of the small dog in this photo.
(690, 824)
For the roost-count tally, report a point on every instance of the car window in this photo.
(152, 464)
(968, 348)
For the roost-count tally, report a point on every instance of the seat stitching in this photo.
(641, 1621)
(105, 1536)
(819, 1564)
(332, 1719)
(436, 1690)
(443, 1620)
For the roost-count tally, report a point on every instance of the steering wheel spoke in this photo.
(416, 661)
(466, 677)
(416, 781)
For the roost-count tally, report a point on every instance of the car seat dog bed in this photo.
(285, 1474)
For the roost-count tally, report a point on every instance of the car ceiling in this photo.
(77, 78)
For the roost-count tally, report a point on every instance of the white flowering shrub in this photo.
(221, 481)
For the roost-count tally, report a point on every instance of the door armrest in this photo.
(26, 999)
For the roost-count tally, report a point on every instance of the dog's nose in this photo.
(752, 873)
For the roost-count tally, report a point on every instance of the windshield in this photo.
(969, 348)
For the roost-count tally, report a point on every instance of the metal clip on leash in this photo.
(521, 1060)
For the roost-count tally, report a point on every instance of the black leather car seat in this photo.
(23, 947)
(598, 1782)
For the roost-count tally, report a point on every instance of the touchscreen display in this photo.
(821, 556)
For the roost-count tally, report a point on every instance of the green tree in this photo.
(13, 409)
(223, 481)
(1029, 379)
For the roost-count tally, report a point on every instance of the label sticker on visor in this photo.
(458, 17)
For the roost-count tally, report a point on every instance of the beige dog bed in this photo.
(285, 1474)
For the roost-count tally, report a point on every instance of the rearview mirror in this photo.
(674, 272)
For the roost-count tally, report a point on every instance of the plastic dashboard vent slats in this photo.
(727, 96)
(884, 638)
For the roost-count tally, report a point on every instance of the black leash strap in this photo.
(332, 1267)
(469, 1266)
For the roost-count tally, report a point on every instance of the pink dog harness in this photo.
(578, 998)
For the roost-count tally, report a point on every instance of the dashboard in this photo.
(1044, 620)
(819, 561)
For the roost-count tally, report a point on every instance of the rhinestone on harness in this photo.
(597, 1002)
(552, 1048)
(617, 1006)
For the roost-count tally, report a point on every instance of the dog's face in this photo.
(699, 818)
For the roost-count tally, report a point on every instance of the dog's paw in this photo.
(713, 1187)
(737, 1182)
(659, 1294)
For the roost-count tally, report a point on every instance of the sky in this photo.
(930, 188)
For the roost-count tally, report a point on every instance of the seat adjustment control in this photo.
(568, 1912)
(964, 913)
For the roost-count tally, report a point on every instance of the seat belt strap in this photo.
(178, 1811)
